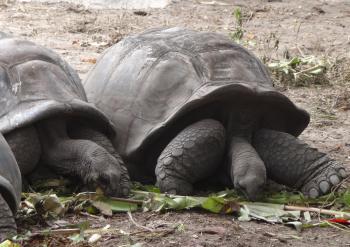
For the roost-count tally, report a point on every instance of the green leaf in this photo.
(77, 238)
(284, 198)
(244, 214)
(213, 204)
(346, 198)
(91, 209)
(187, 202)
(119, 206)
(8, 243)
(237, 13)
(294, 61)
(147, 187)
(272, 213)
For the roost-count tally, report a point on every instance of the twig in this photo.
(138, 225)
(337, 226)
(67, 231)
(308, 69)
(70, 231)
(317, 210)
(90, 215)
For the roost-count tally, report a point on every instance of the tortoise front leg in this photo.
(7, 222)
(80, 158)
(247, 170)
(78, 130)
(191, 156)
(291, 162)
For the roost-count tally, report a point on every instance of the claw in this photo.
(342, 173)
(324, 186)
(323, 183)
(334, 179)
(313, 193)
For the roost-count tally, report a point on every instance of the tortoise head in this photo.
(251, 185)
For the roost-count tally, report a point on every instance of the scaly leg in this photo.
(190, 157)
(291, 162)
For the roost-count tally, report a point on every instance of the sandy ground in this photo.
(320, 28)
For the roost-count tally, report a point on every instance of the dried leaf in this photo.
(272, 213)
(89, 60)
(94, 238)
(104, 208)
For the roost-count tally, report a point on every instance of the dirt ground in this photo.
(313, 27)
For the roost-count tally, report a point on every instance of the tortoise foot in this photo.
(325, 181)
(175, 186)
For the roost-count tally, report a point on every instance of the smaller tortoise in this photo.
(10, 189)
(45, 118)
(185, 102)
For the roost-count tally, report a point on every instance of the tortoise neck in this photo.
(241, 123)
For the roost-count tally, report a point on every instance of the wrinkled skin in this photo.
(78, 157)
(253, 155)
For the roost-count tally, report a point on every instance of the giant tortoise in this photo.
(45, 118)
(10, 189)
(186, 102)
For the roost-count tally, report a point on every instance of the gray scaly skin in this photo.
(294, 163)
(247, 171)
(192, 155)
(80, 157)
(196, 152)
(76, 151)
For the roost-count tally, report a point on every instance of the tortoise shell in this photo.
(35, 83)
(10, 176)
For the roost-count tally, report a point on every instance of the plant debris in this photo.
(291, 209)
(300, 71)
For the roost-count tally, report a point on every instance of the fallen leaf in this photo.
(272, 213)
(104, 208)
(8, 243)
(94, 238)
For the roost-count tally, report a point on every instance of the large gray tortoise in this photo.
(10, 189)
(45, 118)
(186, 102)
